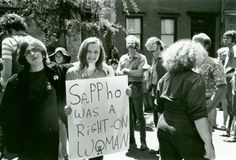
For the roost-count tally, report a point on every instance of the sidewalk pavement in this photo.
(224, 150)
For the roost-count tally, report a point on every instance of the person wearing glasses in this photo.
(32, 101)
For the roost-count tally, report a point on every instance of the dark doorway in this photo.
(204, 23)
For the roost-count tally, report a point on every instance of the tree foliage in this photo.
(57, 18)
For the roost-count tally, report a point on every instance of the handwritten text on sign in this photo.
(99, 122)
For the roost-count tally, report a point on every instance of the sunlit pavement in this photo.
(224, 150)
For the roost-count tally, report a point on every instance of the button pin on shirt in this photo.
(49, 87)
(55, 77)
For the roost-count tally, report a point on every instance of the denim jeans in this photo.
(136, 107)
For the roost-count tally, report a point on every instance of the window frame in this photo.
(172, 16)
(229, 15)
(141, 27)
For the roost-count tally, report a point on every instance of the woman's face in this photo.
(33, 56)
(59, 58)
(93, 53)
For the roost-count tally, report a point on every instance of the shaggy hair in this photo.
(135, 39)
(83, 49)
(36, 45)
(153, 40)
(232, 34)
(183, 55)
(12, 21)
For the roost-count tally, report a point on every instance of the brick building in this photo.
(171, 20)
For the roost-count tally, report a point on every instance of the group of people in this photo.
(185, 84)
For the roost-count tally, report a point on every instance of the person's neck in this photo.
(231, 45)
(91, 68)
(131, 53)
(156, 54)
(36, 68)
(20, 32)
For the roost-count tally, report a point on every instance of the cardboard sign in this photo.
(99, 122)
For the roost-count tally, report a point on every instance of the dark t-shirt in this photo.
(41, 110)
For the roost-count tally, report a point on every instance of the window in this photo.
(230, 19)
(133, 27)
(168, 32)
(230, 22)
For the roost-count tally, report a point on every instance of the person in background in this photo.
(114, 52)
(183, 131)
(32, 100)
(131, 64)
(14, 28)
(60, 56)
(156, 47)
(213, 74)
(229, 41)
(113, 63)
(221, 55)
(147, 101)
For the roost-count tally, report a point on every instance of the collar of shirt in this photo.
(128, 58)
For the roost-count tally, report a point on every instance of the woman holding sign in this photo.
(91, 58)
(91, 65)
(31, 103)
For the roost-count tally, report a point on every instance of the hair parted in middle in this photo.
(183, 55)
(83, 49)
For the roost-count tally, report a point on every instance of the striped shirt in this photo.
(9, 46)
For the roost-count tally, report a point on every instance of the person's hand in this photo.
(67, 110)
(210, 151)
(125, 70)
(129, 91)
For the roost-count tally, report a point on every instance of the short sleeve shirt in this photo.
(184, 93)
(135, 63)
(9, 46)
(213, 74)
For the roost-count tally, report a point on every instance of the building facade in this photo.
(171, 20)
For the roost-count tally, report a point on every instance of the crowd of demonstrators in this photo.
(183, 85)
(229, 41)
(213, 73)
(156, 47)
(132, 64)
(183, 128)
